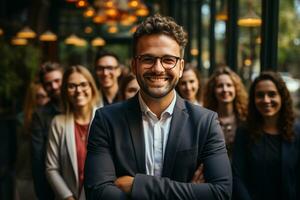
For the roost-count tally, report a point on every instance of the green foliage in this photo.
(18, 67)
(289, 31)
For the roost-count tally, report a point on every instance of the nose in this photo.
(105, 71)
(188, 86)
(157, 66)
(266, 99)
(54, 85)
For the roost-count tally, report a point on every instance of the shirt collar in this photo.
(145, 109)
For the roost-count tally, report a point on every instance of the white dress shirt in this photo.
(156, 132)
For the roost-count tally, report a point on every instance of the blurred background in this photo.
(247, 35)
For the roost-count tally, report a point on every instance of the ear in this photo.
(181, 67)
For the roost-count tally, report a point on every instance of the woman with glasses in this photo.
(66, 150)
(189, 85)
(266, 152)
(225, 94)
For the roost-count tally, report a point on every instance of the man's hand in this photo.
(125, 183)
(198, 175)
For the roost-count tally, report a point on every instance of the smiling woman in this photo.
(65, 160)
(266, 153)
(225, 94)
(189, 85)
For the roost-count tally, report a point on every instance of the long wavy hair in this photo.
(241, 99)
(68, 108)
(286, 117)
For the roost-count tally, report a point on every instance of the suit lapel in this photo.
(71, 144)
(179, 119)
(134, 116)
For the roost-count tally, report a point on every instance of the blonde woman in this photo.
(68, 134)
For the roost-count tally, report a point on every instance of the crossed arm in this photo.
(125, 182)
(102, 182)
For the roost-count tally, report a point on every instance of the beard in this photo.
(157, 85)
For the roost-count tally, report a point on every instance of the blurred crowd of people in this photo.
(260, 131)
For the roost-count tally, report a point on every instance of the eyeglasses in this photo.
(72, 87)
(168, 62)
(101, 68)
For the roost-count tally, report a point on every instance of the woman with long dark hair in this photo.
(266, 154)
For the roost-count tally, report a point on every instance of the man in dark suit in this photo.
(50, 75)
(151, 146)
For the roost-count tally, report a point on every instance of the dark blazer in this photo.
(249, 176)
(116, 148)
(41, 121)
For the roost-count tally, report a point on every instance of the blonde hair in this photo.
(64, 93)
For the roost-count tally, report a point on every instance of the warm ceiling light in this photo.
(258, 40)
(112, 29)
(81, 4)
(48, 36)
(132, 18)
(1, 31)
(247, 62)
(88, 30)
(222, 16)
(142, 11)
(194, 52)
(80, 42)
(109, 4)
(111, 12)
(71, 40)
(98, 42)
(100, 18)
(19, 41)
(250, 19)
(133, 4)
(26, 33)
(89, 12)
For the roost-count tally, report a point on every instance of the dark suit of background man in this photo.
(150, 146)
(51, 77)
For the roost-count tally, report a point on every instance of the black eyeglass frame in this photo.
(138, 57)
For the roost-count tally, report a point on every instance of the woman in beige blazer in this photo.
(67, 141)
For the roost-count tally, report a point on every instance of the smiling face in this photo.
(52, 83)
(189, 85)
(157, 82)
(107, 71)
(79, 91)
(267, 99)
(224, 89)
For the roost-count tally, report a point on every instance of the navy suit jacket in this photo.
(116, 148)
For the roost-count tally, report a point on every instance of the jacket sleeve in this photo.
(240, 166)
(217, 173)
(99, 166)
(53, 158)
(38, 146)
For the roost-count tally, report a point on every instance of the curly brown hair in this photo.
(286, 115)
(241, 99)
(158, 24)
